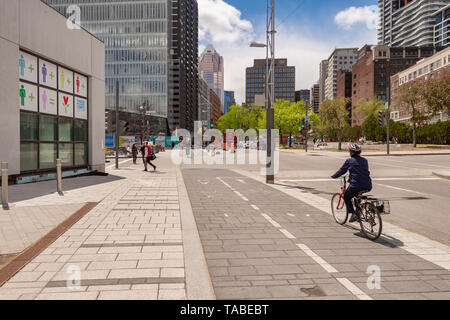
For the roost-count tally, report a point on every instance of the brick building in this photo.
(344, 88)
(374, 68)
(430, 68)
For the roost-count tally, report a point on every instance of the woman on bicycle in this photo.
(359, 177)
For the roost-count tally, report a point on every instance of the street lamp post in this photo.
(269, 87)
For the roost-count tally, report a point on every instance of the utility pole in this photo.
(270, 89)
(117, 125)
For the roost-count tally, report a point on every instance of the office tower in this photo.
(315, 99)
(183, 64)
(323, 76)
(284, 81)
(229, 101)
(143, 41)
(376, 64)
(340, 59)
(442, 27)
(211, 69)
(303, 95)
(408, 23)
(204, 103)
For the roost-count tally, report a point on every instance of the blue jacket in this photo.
(359, 173)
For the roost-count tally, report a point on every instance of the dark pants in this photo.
(150, 163)
(349, 195)
(134, 158)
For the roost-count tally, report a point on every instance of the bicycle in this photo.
(368, 211)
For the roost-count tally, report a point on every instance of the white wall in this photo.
(32, 25)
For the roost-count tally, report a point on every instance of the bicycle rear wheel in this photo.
(339, 209)
(370, 221)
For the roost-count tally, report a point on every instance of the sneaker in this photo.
(154, 169)
(354, 218)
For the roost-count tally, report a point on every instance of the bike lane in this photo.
(290, 247)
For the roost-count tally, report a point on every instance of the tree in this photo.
(436, 93)
(368, 108)
(409, 99)
(334, 116)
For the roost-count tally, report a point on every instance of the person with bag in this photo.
(149, 156)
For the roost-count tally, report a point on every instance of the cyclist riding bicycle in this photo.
(359, 178)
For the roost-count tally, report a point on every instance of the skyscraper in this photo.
(441, 27)
(143, 41)
(322, 79)
(314, 97)
(183, 64)
(229, 101)
(211, 69)
(408, 23)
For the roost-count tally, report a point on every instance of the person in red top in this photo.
(148, 156)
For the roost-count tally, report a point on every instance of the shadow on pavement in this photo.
(38, 189)
(311, 190)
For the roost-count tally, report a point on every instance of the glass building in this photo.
(136, 41)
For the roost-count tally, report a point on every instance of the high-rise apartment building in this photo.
(340, 59)
(229, 101)
(407, 23)
(323, 77)
(148, 46)
(183, 64)
(211, 69)
(372, 73)
(315, 99)
(284, 80)
(303, 95)
(442, 27)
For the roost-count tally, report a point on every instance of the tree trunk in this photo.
(290, 140)
(414, 135)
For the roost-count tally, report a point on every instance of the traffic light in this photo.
(126, 127)
(212, 125)
(381, 118)
(303, 124)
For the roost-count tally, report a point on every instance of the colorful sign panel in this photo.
(28, 97)
(109, 141)
(81, 108)
(80, 85)
(65, 80)
(48, 102)
(65, 105)
(28, 68)
(48, 74)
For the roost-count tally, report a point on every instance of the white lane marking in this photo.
(226, 215)
(240, 195)
(373, 179)
(354, 289)
(241, 181)
(255, 207)
(421, 164)
(401, 189)
(287, 234)
(272, 222)
(329, 268)
(121, 162)
(308, 215)
(290, 215)
(225, 183)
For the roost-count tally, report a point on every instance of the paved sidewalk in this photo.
(131, 246)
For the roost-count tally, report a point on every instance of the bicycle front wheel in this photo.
(370, 221)
(339, 209)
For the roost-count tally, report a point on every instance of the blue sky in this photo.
(305, 37)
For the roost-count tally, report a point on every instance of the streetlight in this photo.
(270, 86)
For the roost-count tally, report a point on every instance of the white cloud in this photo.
(349, 17)
(221, 22)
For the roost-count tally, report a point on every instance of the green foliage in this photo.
(369, 108)
(372, 130)
(334, 117)
(241, 118)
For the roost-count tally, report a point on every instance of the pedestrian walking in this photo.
(142, 149)
(149, 157)
(134, 151)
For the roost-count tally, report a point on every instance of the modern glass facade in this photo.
(211, 69)
(136, 41)
(442, 27)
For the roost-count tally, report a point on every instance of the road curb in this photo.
(405, 155)
(442, 175)
(198, 279)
